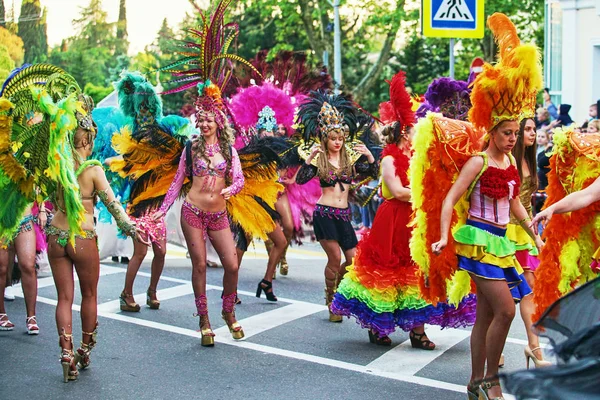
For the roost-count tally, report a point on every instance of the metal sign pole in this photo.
(337, 47)
(452, 58)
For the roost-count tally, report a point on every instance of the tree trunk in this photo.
(369, 80)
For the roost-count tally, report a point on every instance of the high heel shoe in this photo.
(283, 266)
(417, 341)
(529, 354)
(67, 359)
(485, 387)
(125, 306)
(473, 390)
(82, 355)
(207, 334)
(267, 287)
(379, 340)
(228, 313)
(501, 361)
(153, 304)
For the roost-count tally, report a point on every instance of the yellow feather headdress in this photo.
(507, 90)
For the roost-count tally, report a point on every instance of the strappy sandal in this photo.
(32, 326)
(473, 389)
(417, 341)
(379, 340)
(485, 387)
(5, 324)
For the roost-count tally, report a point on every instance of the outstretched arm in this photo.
(175, 187)
(107, 196)
(573, 202)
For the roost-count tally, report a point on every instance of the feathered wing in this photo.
(571, 239)
(37, 118)
(441, 147)
(110, 121)
(253, 206)
(150, 158)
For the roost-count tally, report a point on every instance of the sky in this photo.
(144, 17)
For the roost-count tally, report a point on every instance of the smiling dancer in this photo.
(337, 160)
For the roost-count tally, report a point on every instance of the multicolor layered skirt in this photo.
(525, 250)
(381, 288)
(483, 250)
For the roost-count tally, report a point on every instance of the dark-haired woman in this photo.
(526, 250)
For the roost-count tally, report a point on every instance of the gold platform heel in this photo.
(153, 304)
(283, 264)
(229, 311)
(125, 306)
(207, 334)
(82, 355)
(330, 290)
(67, 358)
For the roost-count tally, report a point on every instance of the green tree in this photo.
(2, 14)
(122, 43)
(32, 32)
(6, 63)
(13, 44)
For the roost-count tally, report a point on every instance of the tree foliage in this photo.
(14, 46)
(33, 31)
(6, 63)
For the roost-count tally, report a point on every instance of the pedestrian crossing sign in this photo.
(452, 18)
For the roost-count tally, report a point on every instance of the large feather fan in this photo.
(37, 120)
(572, 238)
(441, 147)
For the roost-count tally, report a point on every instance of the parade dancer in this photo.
(23, 243)
(148, 153)
(526, 253)
(381, 288)
(64, 127)
(572, 217)
(216, 175)
(502, 95)
(337, 160)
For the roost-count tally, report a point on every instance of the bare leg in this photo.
(62, 273)
(3, 273)
(526, 307)
(497, 303)
(196, 245)
(25, 248)
(279, 245)
(139, 253)
(223, 243)
(158, 264)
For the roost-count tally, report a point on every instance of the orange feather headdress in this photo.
(506, 91)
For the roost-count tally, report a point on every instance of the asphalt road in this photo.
(291, 351)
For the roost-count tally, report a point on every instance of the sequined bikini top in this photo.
(201, 168)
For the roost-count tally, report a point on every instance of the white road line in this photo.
(271, 319)
(226, 339)
(408, 361)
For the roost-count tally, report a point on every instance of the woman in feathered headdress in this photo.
(149, 146)
(337, 160)
(381, 288)
(212, 165)
(502, 95)
(58, 140)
